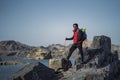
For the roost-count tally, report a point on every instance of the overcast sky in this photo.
(45, 22)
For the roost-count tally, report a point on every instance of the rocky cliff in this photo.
(99, 63)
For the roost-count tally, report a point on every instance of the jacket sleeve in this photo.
(70, 38)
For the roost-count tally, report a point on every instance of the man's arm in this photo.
(70, 38)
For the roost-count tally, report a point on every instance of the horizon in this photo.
(46, 22)
(48, 44)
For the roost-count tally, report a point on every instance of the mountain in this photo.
(15, 48)
(11, 47)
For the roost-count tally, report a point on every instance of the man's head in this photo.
(75, 25)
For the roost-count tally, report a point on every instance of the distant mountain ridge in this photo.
(11, 45)
(15, 48)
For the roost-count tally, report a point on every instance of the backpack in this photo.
(82, 34)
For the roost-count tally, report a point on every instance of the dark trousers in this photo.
(73, 47)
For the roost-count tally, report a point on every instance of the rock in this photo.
(0, 59)
(83, 74)
(48, 56)
(78, 64)
(102, 42)
(55, 64)
(115, 47)
(99, 55)
(54, 47)
(66, 64)
(100, 62)
(5, 63)
(114, 71)
(34, 71)
(86, 43)
(94, 77)
(103, 46)
(40, 53)
(58, 64)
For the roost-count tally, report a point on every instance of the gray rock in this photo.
(3, 63)
(55, 64)
(34, 71)
(78, 63)
(94, 77)
(103, 42)
(103, 46)
(114, 71)
(0, 59)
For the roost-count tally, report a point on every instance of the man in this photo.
(77, 41)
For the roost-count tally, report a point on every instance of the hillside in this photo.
(15, 48)
(11, 47)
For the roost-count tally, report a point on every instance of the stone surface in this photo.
(55, 64)
(15, 48)
(103, 42)
(3, 63)
(58, 64)
(39, 53)
(66, 64)
(0, 59)
(101, 58)
(34, 71)
(82, 74)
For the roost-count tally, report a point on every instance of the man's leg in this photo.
(81, 51)
(73, 47)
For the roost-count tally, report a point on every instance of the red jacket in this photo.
(76, 37)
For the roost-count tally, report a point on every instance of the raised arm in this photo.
(70, 38)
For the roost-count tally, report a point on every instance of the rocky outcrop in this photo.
(57, 50)
(39, 53)
(115, 48)
(34, 71)
(55, 64)
(99, 63)
(100, 56)
(15, 48)
(102, 42)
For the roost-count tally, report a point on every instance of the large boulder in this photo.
(114, 68)
(34, 71)
(103, 46)
(103, 42)
(55, 64)
(114, 71)
(58, 64)
(100, 53)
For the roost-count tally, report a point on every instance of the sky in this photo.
(45, 22)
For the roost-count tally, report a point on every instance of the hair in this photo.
(75, 24)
